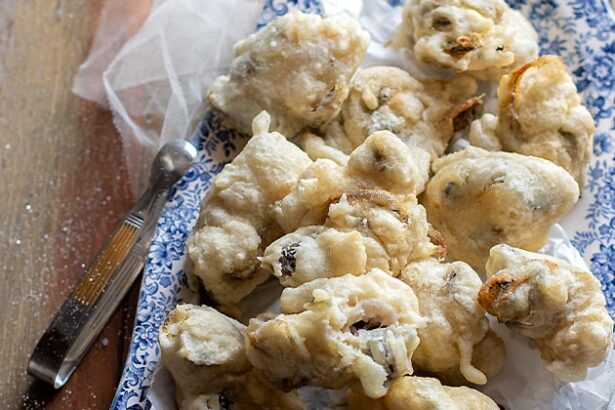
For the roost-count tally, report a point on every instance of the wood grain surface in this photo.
(64, 186)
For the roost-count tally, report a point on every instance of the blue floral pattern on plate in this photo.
(581, 31)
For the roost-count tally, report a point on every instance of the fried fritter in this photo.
(204, 351)
(297, 68)
(202, 348)
(423, 393)
(558, 305)
(420, 113)
(447, 294)
(483, 38)
(478, 199)
(236, 222)
(201, 402)
(357, 331)
(363, 230)
(382, 162)
(540, 114)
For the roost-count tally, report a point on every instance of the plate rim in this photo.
(143, 352)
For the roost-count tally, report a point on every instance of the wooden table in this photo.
(64, 185)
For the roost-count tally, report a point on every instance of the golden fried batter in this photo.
(297, 67)
(423, 393)
(540, 114)
(236, 221)
(357, 331)
(382, 162)
(202, 348)
(447, 294)
(558, 305)
(200, 402)
(421, 114)
(249, 393)
(484, 38)
(478, 199)
(317, 148)
(363, 230)
(482, 133)
(205, 353)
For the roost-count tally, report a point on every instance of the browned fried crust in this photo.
(514, 79)
(462, 45)
(490, 292)
(437, 239)
(463, 114)
(367, 199)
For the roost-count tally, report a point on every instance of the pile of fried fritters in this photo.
(391, 247)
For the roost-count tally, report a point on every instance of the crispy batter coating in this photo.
(423, 393)
(297, 67)
(363, 230)
(478, 199)
(250, 393)
(483, 133)
(317, 148)
(205, 353)
(540, 114)
(236, 221)
(422, 114)
(447, 294)
(203, 349)
(201, 402)
(382, 162)
(358, 331)
(483, 38)
(317, 251)
(558, 305)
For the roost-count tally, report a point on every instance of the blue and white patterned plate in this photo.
(581, 31)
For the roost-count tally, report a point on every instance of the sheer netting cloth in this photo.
(151, 63)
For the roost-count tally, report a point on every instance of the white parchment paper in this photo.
(153, 68)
